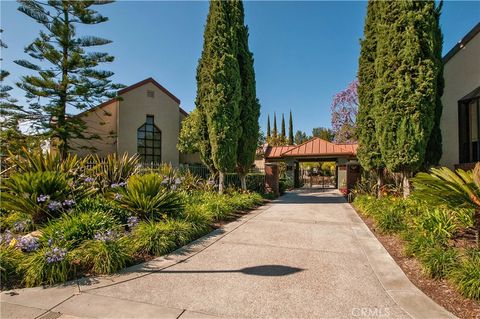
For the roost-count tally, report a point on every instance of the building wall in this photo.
(462, 76)
(134, 108)
(101, 121)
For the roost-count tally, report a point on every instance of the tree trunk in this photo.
(243, 181)
(221, 182)
(380, 182)
(406, 183)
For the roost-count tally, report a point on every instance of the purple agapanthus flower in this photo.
(6, 237)
(42, 198)
(50, 242)
(28, 243)
(122, 184)
(54, 205)
(89, 180)
(117, 196)
(105, 236)
(132, 221)
(20, 226)
(114, 185)
(68, 203)
(55, 255)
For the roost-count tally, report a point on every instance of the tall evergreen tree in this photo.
(283, 131)
(249, 105)
(219, 89)
(323, 133)
(434, 146)
(368, 152)
(269, 134)
(406, 79)
(275, 131)
(68, 75)
(290, 129)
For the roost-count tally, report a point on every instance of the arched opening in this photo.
(149, 142)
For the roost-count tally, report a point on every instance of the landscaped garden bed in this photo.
(61, 220)
(435, 246)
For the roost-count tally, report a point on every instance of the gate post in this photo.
(272, 178)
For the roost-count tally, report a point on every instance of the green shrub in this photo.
(438, 261)
(103, 256)
(146, 197)
(48, 265)
(150, 237)
(391, 220)
(71, 229)
(103, 205)
(467, 276)
(282, 186)
(43, 195)
(438, 224)
(416, 241)
(199, 218)
(10, 259)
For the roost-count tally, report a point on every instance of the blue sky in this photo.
(304, 52)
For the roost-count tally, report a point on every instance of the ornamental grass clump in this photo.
(147, 197)
(467, 275)
(105, 254)
(10, 259)
(153, 238)
(49, 265)
(438, 262)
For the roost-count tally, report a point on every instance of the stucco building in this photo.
(460, 121)
(145, 118)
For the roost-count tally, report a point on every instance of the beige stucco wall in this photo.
(462, 76)
(101, 121)
(133, 109)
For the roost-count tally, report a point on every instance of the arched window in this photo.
(149, 142)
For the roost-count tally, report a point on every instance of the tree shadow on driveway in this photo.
(263, 270)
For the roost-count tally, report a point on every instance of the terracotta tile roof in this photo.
(315, 147)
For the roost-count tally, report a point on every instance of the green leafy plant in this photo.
(455, 190)
(103, 205)
(48, 265)
(103, 256)
(438, 261)
(391, 220)
(467, 275)
(72, 229)
(32, 161)
(146, 197)
(10, 259)
(150, 237)
(113, 169)
(43, 195)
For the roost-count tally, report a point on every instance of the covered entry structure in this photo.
(347, 169)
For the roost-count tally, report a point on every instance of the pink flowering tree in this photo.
(344, 114)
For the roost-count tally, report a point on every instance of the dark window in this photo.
(469, 129)
(149, 142)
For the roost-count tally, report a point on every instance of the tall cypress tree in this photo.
(283, 132)
(406, 82)
(368, 152)
(269, 135)
(275, 131)
(290, 129)
(249, 105)
(219, 89)
(434, 146)
(68, 74)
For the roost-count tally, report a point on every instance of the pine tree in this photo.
(72, 80)
(405, 90)
(368, 152)
(269, 135)
(290, 130)
(249, 105)
(283, 131)
(275, 131)
(219, 90)
(434, 146)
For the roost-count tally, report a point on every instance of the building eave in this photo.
(461, 44)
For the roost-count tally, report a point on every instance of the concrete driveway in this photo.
(306, 255)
